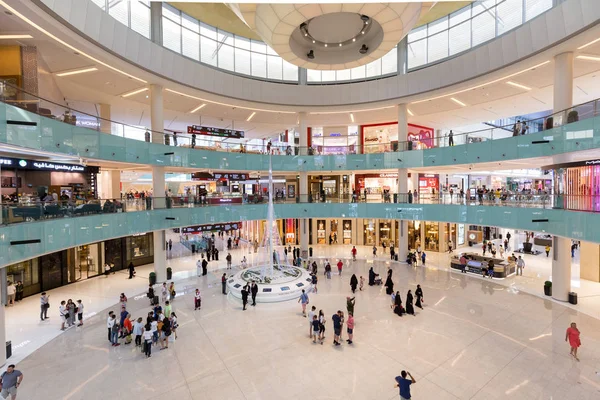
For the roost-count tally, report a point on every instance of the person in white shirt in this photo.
(79, 312)
(244, 262)
(44, 303)
(199, 268)
(62, 309)
(154, 326)
(109, 324)
(148, 339)
(311, 314)
(11, 290)
(138, 331)
(520, 266)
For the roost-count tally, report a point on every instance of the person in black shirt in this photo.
(244, 297)
(337, 327)
(254, 291)
(204, 266)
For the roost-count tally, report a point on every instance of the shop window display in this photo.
(347, 231)
(370, 237)
(432, 236)
(28, 273)
(333, 229)
(321, 231)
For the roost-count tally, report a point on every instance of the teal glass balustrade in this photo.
(61, 233)
(51, 135)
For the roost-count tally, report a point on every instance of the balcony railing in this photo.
(17, 97)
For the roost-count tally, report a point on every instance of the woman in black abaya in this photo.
(409, 303)
(353, 283)
(398, 305)
(419, 297)
(389, 285)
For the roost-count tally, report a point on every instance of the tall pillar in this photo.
(158, 187)
(156, 113)
(402, 182)
(158, 199)
(110, 184)
(563, 83)
(304, 221)
(105, 125)
(561, 268)
(561, 247)
(303, 132)
(2, 328)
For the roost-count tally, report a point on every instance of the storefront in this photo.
(375, 185)
(27, 181)
(435, 236)
(329, 184)
(379, 138)
(138, 249)
(429, 183)
(335, 139)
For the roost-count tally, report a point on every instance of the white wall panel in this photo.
(523, 38)
(590, 11)
(573, 17)
(509, 48)
(539, 32)
(144, 54)
(178, 68)
(107, 30)
(156, 53)
(78, 13)
(93, 19)
(133, 46)
(495, 54)
(119, 44)
(555, 24)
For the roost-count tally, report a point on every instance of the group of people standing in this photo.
(396, 305)
(316, 321)
(69, 312)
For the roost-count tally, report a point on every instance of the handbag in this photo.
(67, 315)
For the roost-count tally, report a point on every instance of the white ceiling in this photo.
(486, 102)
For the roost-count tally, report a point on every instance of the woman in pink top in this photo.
(350, 324)
(573, 337)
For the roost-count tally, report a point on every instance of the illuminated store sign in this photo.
(33, 165)
(220, 132)
(210, 228)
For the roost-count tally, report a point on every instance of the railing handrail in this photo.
(237, 146)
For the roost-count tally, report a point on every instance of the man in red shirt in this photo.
(354, 253)
(340, 264)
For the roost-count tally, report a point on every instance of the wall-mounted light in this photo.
(352, 117)
(16, 37)
(251, 116)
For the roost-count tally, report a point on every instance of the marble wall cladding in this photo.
(29, 67)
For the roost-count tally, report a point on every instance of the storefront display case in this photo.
(476, 264)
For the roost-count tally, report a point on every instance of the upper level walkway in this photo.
(38, 125)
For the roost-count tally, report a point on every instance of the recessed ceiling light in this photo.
(460, 103)
(201, 106)
(325, 44)
(518, 85)
(16, 37)
(351, 117)
(589, 44)
(354, 39)
(362, 33)
(313, 41)
(134, 92)
(251, 116)
(340, 45)
(149, 96)
(77, 71)
(589, 58)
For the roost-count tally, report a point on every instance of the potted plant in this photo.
(548, 288)
(152, 278)
(169, 273)
(527, 245)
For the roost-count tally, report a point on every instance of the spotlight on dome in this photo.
(310, 55)
(363, 49)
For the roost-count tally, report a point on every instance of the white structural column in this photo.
(561, 268)
(303, 184)
(110, 184)
(563, 82)
(156, 113)
(402, 182)
(2, 329)
(561, 247)
(105, 125)
(158, 199)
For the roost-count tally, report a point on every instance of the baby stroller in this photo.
(378, 281)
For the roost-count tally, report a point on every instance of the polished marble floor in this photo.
(475, 339)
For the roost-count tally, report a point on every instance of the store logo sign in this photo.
(23, 163)
(5, 161)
